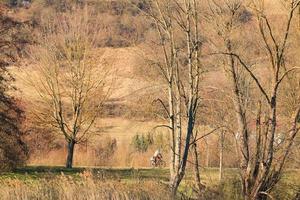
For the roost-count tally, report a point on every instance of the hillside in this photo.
(120, 48)
(126, 111)
(122, 61)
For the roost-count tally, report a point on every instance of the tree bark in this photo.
(222, 137)
(197, 167)
(207, 161)
(71, 145)
(174, 187)
(172, 130)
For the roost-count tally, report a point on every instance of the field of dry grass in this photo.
(111, 128)
(84, 186)
(49, 183)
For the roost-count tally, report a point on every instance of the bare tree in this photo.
(178, 30)
(262, 165)
(70, 84)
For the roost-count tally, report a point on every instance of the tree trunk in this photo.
(176, 179)
(197, 167)
(71, 145)
(207, 161)
(174, 187)
(222, 137)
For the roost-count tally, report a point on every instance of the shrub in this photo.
(13, 151)
(142, 142)
(104, 152)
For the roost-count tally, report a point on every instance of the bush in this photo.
(142, 142)
(104, 151)
(13, 151)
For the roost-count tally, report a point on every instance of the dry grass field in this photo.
(50, 183)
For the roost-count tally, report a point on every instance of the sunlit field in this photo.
(41, 182)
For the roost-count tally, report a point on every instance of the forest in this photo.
(150, 99)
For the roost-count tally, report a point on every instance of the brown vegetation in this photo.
(88, 187)
(13, 150)
(219, 79)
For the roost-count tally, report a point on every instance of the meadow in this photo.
(57, 182)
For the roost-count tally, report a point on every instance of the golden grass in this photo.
(47, 183)
(86, 186)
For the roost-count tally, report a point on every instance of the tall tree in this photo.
(178, 30)
(262, 160)
(13, 151)
(70, 83)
